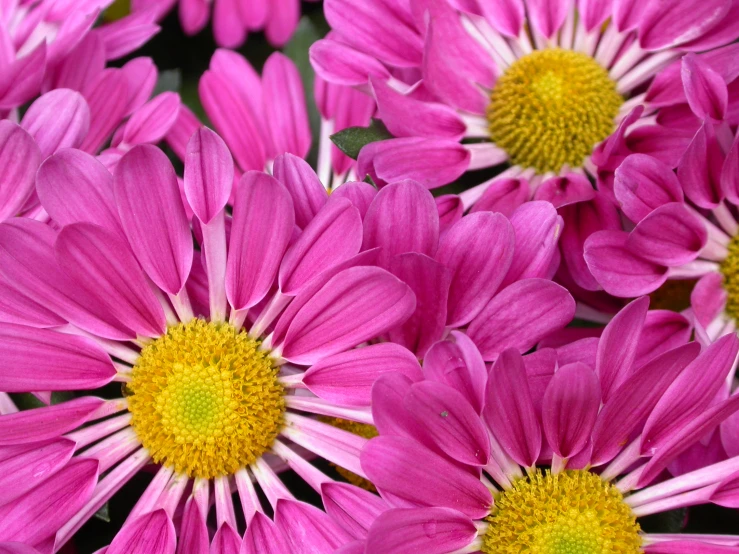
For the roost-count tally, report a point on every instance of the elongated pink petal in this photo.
(503, 196)
(537, 228)
(74, 187)
(151, 122)
(402, 218)
(150, 208)
(505, 16)
(152, 533)
(353, 508)
(570, 407)
(547, 16)
(39, 513)
(23, 78)
(705, 89)
(58, 119)
(83, 251)
(304, 524)
(708, 298)
(388, 413)
(107, 98)
(407, 470)
(19, 158)
(663, 330)
(635, 399)
(332, 237)
(263, 537)
(301, 181)
(699, 169)
(727, 494)
(643, 183)
(427, 530)
(356, 305)
(225, 541)
(429, 281)
(341, 64)
(509, 409)
(347, 378)
(24, 467)
(667, 24)
(209, 174)
(730, 173)
(477, 263)
(16, 307)
(41, 359)
(520, 316)
(194, 532)
(450, 421)
(360, 194)
(565, 189)
(142, 75)
(261, 230)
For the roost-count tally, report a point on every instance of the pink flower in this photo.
(460, 452)
(546, 86)
(209, 345)
(232, 19)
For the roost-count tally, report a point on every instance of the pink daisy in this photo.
(537, 84)
(556, 451)
(209, 348)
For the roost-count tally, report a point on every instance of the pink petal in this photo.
(283, 21)
(618, 270)
(402, 218)
(520, 316)
(547, 16)
(509, 409)
(708, 298)
(58, 119)
(16, 307)
(22, 79)
(194, 15)
(730, 173)
(687, 547)
(450, 209)
(107, 98)
(503, 196)
(343, 65)
(228, 29)
(194, 532)
(569, 409)
(262, 226)
(663, 330)
(565, 189)
(183, 128)
(83, 251)
(669, 23)
(332, 237)
(699, 169)
(727, 494)
(226, 541)
(705, 89)
(427, 530)
(209, 174)
(360, 194)
(670, 235)
(347, 378)
(635, 399)
(301, 181)
(643, 184)
(594, 12)
(506, 16)
(127, 34)
(477, 264)
(19, 158)
(142, 75)
(153, 217)
(429, 281)
(358, 304)
(152, 533)
(284, 106)
(409, 471)
(263, 537)
(353, 508)
(303, 524)
(151, 122)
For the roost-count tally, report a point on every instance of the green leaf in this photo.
(352, 139)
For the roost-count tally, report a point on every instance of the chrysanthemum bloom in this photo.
(232, 19)
(544, 454)
(466, 85)
(208, 350)
(263, 117)
(52, 44)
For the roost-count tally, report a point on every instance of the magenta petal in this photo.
(708, 298)
(449, 421)
(570, 406)
(520, 316)
(22, 79)
(358, 304)
(141, 74)
(537, 228)
(730, 173)
(705, 89)
(663, 330)
(19, 158)
(209, 174)
(688, 547)
(347, 378)
(618, 270)
(506, 16)
(153, 216)
(617, 346)
(18, 548)
(284, 106)
(17, 307)
(262, 226)
(509, 409)
(388, 414)
(411, 472)
(83, 251)
(303, 524)
(194, 531)
(402, 218)
(429, 281)
(478, 251)
(504, 196)
(263, 537)
(360, 194)
(332, 237)
(302, 183)
(699, 169)
(343, 65)
(74, 187)
(671, 235)
(691, 393)
(107, 98)
(547, 16)
(727, 494)
(225, 541)
(353, 508)
(152, 533)
(41, 359)
(151, 122)
(427, 530)
(58, 119)
(635, 399)
(565, 189)
(643, 183)
(667, 24)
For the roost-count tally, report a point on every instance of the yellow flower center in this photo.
(551, 107)
(205, 400)
(574, 512)
(363, 430)
(730, 271)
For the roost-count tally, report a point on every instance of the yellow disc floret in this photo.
(730, 271)
(574, 512)
(205, 399)
(551, 107)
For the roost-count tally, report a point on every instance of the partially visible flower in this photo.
(556, 451)
(233, 20)
(209, 348)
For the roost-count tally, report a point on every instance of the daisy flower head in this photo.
(539, 85)
(207, 346)
(558, 451)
